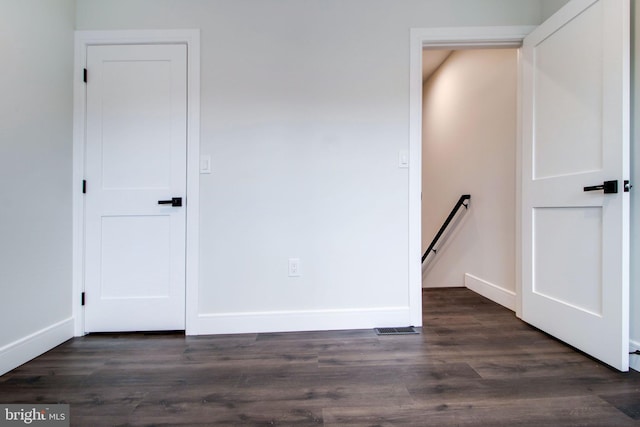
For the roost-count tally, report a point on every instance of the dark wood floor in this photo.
(473, 364)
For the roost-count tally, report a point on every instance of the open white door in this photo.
(575, 248)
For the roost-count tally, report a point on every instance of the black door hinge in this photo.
(82, 299)
(84, 186)
(84, 75)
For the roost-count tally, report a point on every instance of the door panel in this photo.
(568, 125)
(135, 156)
(136, 139)
(562, 233)
(575, 70)
(136, 255)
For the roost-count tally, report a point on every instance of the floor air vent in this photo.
(396, 331)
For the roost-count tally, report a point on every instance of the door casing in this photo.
(191, 38)
(448, 38)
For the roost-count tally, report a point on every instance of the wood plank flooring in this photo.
(474, 364)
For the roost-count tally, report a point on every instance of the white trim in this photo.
(192, 39)
(439, 38)
(495, 293)
(25, 349)
(634, 359)
(471, 37)
(415, 176)
(314, 320)
(518, 198)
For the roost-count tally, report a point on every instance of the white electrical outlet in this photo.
(294, 267)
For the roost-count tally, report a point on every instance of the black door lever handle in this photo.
(175, 202)
(609, 187)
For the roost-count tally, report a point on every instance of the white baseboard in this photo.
(291, 321)
(495, 293)
(634, 360)
(21, 351)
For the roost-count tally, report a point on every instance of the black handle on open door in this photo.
(175, 202)
(609, 187)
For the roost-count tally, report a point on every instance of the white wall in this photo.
(304, 110)
(36, 46)
(469, 144)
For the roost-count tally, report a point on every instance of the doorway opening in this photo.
(469, 143)
(446, 39)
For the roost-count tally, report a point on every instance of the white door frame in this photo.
(191, 38)
(447, 38)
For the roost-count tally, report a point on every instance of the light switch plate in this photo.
(403, 159)
(205, 163)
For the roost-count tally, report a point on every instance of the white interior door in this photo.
(135, 157)
(575, 251)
